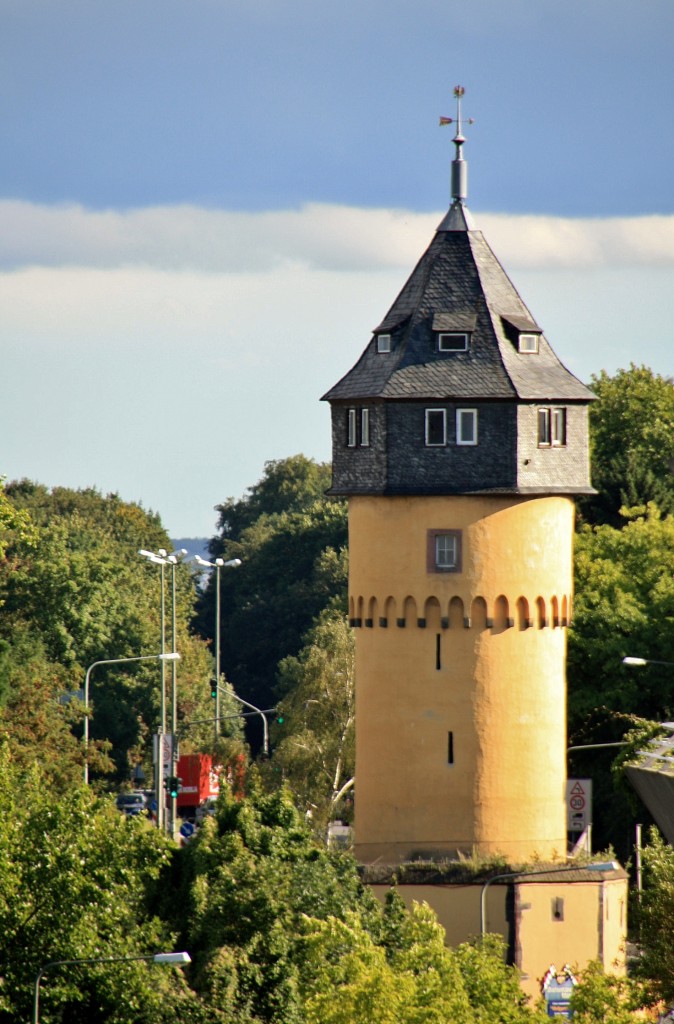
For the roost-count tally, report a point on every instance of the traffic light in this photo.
(214, 688)
(280, 718)
(172, 784)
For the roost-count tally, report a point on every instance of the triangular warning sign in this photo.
(577, 788)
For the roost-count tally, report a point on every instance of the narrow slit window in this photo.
(438, 652)
(365, 427)
(351, 433)
(450, 748)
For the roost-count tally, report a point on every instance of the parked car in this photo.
(132, 803)
(205, 809)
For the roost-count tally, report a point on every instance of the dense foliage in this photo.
(291, 540)
(73, 592)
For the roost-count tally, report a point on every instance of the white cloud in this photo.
(316, 236)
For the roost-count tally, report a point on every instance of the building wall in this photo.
(592, 924)
(477, 654)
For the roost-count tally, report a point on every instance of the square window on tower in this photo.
(443, 551)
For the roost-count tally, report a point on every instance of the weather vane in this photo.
(458, 138)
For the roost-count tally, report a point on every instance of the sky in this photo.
(207, 205)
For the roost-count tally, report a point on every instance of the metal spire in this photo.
(459, 165)
(458, 218)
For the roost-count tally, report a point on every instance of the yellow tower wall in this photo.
(477, 654)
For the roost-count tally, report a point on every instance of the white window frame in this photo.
(365, 428)
(461, 433)
(528, 343)
(443, 335)
(383, 343)
(446, 551)
(436, 444)
(352, 431)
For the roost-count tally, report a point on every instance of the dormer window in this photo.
(528, 343)
(453, 341)
(383, 343)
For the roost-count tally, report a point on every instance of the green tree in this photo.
(602, 998)
(77, 593)
(315, 750)
(653, 918)
(77, 880)
(291, 540)
(632, 443)
(624, 605)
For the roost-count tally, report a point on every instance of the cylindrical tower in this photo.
(460, 688)
(460, 440)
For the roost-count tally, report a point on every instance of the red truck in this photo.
(198, 781)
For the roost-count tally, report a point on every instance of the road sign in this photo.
(578, 804)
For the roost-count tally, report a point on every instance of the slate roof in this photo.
(459, 285)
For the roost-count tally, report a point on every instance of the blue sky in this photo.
(206, 205)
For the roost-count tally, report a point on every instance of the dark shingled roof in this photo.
(459, 285)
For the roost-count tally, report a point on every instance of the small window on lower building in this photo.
(436, 427)
(466, 426)
(443, 551)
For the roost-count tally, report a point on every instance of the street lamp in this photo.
(218, 564)
(639, 662)
(160, 558)
(157, 958)
(610, 865)
(173, 559)
(173, 656)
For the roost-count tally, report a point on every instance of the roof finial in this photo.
(459, 165)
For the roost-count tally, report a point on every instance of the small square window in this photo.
(443, 551)
(528, 343)
(436, 427)
(452, 342)
(383, 343)
(466, 426)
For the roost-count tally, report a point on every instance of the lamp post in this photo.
(173, 656)
(639, 662)
(610, 865)
(173, 559)
(160, 558)
(218, 564)
(157, 958)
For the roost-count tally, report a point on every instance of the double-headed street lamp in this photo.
(157, 958)
(218, 564)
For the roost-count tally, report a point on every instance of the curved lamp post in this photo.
(218, 564)
(173, 656)
(610, 865)
(157, 958)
